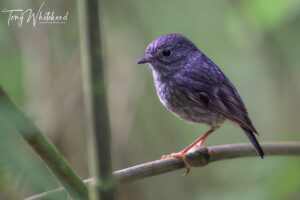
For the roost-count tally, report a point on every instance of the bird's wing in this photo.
(209, 88)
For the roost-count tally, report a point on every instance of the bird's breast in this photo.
(175, 100)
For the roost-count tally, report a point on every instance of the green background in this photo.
(256, 43)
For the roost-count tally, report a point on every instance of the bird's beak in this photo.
(143, 61)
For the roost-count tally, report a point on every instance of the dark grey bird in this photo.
(193, 88)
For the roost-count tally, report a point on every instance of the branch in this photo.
(43, 147)
(197, 157)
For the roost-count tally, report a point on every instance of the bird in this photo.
(194, 88)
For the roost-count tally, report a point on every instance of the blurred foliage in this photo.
(255, 42)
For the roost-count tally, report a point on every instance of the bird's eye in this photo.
(166, 53)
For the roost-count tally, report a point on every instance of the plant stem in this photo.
(95, 101)
(43, 147)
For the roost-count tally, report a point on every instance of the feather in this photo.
(254, 141)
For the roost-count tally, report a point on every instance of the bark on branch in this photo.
(197, 157)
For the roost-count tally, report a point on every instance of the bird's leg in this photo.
(182, 153)
(203, 138)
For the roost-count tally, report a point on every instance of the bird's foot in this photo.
(180, 155)
(199, 144)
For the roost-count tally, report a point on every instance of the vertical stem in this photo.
(95, 100)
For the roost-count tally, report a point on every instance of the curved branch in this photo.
(197, 157)
(200, 156)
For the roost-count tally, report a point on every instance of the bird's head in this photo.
(168, 53)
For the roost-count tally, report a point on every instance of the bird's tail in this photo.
(254, 141)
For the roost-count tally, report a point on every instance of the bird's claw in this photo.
(180, 155)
